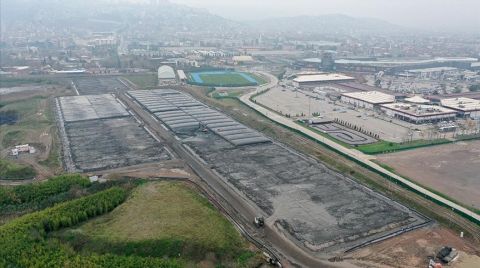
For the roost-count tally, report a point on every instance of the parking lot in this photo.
(300, 102)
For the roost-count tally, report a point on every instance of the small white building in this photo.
(181, 76)
(166, 75)
(242, 59)
(465, 107)
(367, 99)
(24, 148)
(418, 114)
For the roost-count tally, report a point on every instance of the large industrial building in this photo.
(418, 114)
(465, 107)
(166, 75)
(433, 73)
(319, 79)
(367, 99)
(400, 65)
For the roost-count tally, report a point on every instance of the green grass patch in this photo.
(260, 79)
(143, 81)
(233, 79)
(161, 219)
(13, 137)
(13, 171)
(388, 147)
(35, 117)
(14, 81)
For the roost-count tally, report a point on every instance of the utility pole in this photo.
(309, 99)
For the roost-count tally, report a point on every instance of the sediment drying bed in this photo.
(322, 209)
(97, 85)
(99, 133)
(319, 207)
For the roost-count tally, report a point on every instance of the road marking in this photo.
(75, 87)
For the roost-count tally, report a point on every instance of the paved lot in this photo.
(296, 103)
(452, 169)
(345, 134)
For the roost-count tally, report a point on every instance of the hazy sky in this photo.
(431, 14)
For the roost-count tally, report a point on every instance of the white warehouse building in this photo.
(367, 99)
(418, 114)
(465, 107)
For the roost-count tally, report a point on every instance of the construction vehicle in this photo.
(447, 254)
(272, 261)
(433, 264)
(259, 221)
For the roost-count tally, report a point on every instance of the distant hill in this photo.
(326, 24)
(156, 18)
(110, 15)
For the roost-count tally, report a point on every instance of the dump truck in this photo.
(259, 221)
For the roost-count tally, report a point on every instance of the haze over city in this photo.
(423, 14)
(239, 134)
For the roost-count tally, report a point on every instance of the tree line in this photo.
(24, 243)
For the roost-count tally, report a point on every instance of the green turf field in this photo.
(225, 79)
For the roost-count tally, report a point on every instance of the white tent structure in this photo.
(166, 75)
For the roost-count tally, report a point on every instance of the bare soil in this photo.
(452, 169)
(413, 249)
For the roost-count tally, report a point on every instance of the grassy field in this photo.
(386, 147)
(14, 81)
(12, 171)
(164, 219)
(143, 81)
(228, 79)
(35, 125)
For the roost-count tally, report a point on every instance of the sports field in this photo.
(224, 79)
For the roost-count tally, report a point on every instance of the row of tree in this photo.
(41, 190)
(23, 241)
